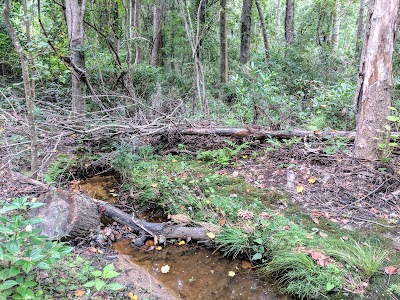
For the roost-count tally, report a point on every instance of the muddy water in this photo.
(101, 187)
(197, 273)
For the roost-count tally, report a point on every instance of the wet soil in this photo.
(101, 187)
(198, 273)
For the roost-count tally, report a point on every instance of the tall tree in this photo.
(28, 88)
(263, 28)
(74, 12)
(278, 14)
(373, 93)
(135, 21)
(245, 31)
(360, 28)
(223, 43)
(336, 26)
(157, 36)
(289, 22)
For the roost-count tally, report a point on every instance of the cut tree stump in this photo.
(65, 214)
(68, 214)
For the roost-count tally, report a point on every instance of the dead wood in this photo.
(159, 231)
(65, 214)
(70, 214)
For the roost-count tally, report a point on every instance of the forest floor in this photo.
(332, 189)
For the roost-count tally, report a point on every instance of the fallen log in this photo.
(260, 132)
(65, 214)
(158, 231)
(68, 214)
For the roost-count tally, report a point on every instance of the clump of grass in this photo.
(233, 241)
(363, 258)
(299, 276)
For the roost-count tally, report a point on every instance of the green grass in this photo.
(280, 243)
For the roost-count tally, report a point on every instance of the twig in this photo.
(374, 222)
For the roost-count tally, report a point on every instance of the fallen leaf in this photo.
(323, 235)
(246, 265)
(312, 180)
(287, 227)
(174, 161)
(235, 174)
(211, 235)
(316, 255)
(344, 238)
(165, 269)
(159, 248)
(315, 220)
(79, 293)
(299, 188)
(181, 243)
(244, 156)
(132, 296)
(222, 222)
(391, 270)
(231, 274)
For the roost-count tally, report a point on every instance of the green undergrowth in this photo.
(307, 260)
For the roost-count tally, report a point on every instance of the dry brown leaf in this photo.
(390, 270)
(246, 265)
(79, 293)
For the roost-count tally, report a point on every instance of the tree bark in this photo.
(360, 29)
(336, 27)
(157, 36)
(223, 44)
(74, 12)
(245, 31)
(264, 29)
(137, 7)
(278, 14)
(373, 93)
(289, 22)
(28, 89)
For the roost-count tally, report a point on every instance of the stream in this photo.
(195, 272)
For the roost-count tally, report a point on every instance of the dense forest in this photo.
(264, 130)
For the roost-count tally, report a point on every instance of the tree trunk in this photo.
(74, 12)
(336, 27)
(360, 29)
(28, 89)
(278, 14)
(373, 93)
(289, 22)
(201, 12)
(245, 32)
(223, 44)
(264, 29)
(157, 23)
(137, 6)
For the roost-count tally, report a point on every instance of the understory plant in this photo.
(24, 251)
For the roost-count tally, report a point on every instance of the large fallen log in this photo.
(68, 214)
(159, 231)
(65, 214)
(257, 132)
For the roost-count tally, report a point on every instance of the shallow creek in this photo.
(195, 272)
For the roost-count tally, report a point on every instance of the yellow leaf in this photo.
(181, 243)
(231, 274)
(79, 293)
(211, 235)
(159, 248)
(154, 185)
(299, 188)
(312, 180)
(165, 269)
(244, 156)
(174, 160)
(132, 296)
